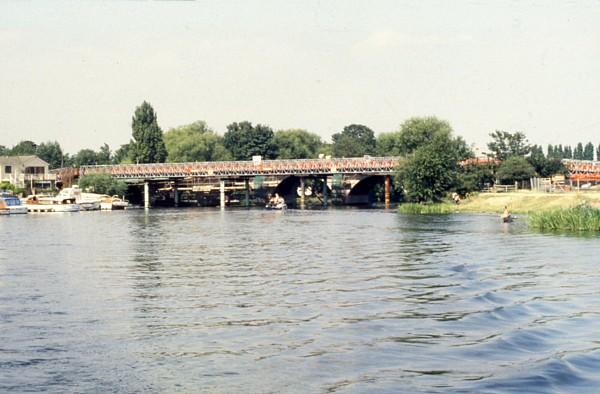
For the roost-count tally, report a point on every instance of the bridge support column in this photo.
(222, 193)
(176, 195)
(387, 188)
(301, 193)
(146, 195)
(324, 191)
(246, 192)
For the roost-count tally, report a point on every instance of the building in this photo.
(27, 172)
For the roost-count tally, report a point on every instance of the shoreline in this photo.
(525, 201)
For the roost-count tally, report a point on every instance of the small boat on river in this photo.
(40, 204)
(13, 204)
(276, 206)
(109, 203)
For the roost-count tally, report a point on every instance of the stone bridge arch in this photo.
(363, 192)
(288, 186)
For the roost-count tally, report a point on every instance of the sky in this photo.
(74, 71)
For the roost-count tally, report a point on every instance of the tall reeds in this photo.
(580, 218)
(425, 209)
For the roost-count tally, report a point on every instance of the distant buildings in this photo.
(27, 172)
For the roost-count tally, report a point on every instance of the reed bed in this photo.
(580, 218)
(426, 209)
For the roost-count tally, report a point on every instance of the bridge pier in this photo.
(222, 193)
(176, 195)
(325, 191)
(386, 188)
(146, 195)
(301, 192)
(246, 192)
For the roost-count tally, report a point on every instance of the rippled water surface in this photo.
(302, 301)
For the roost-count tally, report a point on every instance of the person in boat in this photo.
(505, 214)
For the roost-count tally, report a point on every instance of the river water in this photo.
(199, 300)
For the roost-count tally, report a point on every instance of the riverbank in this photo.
(527, 201)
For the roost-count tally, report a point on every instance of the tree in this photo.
(545, 166)
(24, 148)
(194, 142)
(354, 141)
(297, 144)
(567, 152)
(389, 144)
(85, 157)
(578, 152)
(505, 144)
(102, 184)
(244, 141)
(598, 152)
(588, 151)
(147, 145)
(52, 153)
(513, 169)
(432, 168)
(418, 131)
(4, 151)
(103, 156)
(122, 155)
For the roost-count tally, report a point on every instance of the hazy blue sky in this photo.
(75, 71)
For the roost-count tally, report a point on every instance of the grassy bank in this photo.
(580, 218)
(527, 202)
(426, 209)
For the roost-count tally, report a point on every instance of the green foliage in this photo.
(588, 151)
(102, 184)
(515, 169)
(194, 142)
(122, 155)
(580, 218)
(4, 151)
(545, 166)
(7, 186)
(147, 145)
(425, 209)
(578, 152)
(52, 153)
(244, 141)
(24, 148)
(354, 141)
(103, 156)
(85, 157)
(474, 177)
(418, 131)
(431, 170)
(297, 144)
(389, 144)
(505, 144)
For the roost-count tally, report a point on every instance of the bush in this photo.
(580, 218)
(425, 209)
(102, 184)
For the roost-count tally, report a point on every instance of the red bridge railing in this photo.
(364, 165)
(583, 170)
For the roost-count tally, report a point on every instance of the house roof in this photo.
(23, 161)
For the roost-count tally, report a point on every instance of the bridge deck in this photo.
(365, 165)
(583, 170)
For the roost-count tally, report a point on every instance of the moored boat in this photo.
(13, 204)
(109, 203)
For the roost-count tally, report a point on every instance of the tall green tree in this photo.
(515, 168)
(355, 140)
(85, 157)
(505, 144)
(52, 153)
(418, 131)
(195, 142)
(297, 144)
(432, 168)
(122, 155)
(598, 152)
(244, 141)
(389, 144)
(588, 151)
(4, 151)
(103, 156)
(147, 145)
(24, 148)
(102, 184)
(578, 152)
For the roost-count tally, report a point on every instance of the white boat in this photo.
(109, 203)
(277, 206)
(13, 204)
(51, 204)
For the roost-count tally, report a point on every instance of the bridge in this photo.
(355, 176)
(583, 170)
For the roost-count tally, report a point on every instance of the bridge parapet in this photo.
(364, 165)
(583, 170)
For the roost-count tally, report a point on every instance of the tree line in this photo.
(434, 160)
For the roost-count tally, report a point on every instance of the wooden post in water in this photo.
(222, 193)
(247, 192)
(301, 193)
(146, 195)
(386, 184)
(325, 191)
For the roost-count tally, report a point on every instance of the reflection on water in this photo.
(301, 301)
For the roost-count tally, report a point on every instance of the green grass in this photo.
(580, 218)
(426, 209)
